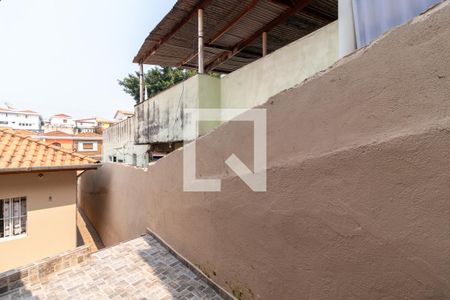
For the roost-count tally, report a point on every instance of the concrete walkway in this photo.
(138, 269)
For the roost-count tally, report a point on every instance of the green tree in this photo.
(156, 80)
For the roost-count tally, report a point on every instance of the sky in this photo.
(65, 56)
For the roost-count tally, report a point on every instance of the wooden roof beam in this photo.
(315, 15)
(201, 5)
(300, 4)
(224, 30)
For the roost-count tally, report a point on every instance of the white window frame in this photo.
(82, 149)
(12, 215)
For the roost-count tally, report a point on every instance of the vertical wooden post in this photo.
(347, 34)
(141, 83)
(264, 44)
(201, 63)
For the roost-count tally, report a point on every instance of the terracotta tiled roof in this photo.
(57, 133)
(14, 111)
(88, 134)
(24, 132)
(21, 154)
(28, 111)
(64, 116)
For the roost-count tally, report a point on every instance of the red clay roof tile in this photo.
(18, 151)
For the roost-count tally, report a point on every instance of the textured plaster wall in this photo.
(51, 224)
(118, 213)
(358, 171)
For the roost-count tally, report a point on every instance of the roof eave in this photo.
(4, 171)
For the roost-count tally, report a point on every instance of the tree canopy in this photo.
(156, 80)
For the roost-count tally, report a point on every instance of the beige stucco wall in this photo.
(51, 227)
(253, 84)
(357, 199)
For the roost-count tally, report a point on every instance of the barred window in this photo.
(13, 217)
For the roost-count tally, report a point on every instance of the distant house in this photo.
(85, 125)
(58, 139)
(87, 143)
(95, 124)
(37, 199)
(20, 119)
(60, 122)
(122, 115)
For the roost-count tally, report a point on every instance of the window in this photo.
(4, 122)
(13, 217)
(56, 145)
(88, 146)
(64, 121)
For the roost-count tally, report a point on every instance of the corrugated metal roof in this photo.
(219, 13)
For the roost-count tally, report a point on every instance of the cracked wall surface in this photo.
(357, 205)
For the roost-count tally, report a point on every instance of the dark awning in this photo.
(232, 30)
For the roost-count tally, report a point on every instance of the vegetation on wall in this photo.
(156, 80)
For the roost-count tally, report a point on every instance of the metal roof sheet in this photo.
(182, 44)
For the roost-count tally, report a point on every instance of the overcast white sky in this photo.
(65, 56)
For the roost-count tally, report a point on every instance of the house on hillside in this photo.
(21, 119)
(95, 125)
(123, 115)
(60, 122)
(89, 144)
(38, 185)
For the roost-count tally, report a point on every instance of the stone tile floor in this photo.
(138, 269)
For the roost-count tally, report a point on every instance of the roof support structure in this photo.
(141, 83)
(224, 30)
(201, 65)
(300, 4)
(201, 5)
(315, 15)
(264, 43)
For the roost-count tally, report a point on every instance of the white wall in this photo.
(16, 120)
(63, 122)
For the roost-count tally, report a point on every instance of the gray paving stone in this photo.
(138, 269)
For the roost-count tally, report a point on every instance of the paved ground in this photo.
(139, 269)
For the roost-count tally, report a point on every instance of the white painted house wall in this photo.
(20, 120)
